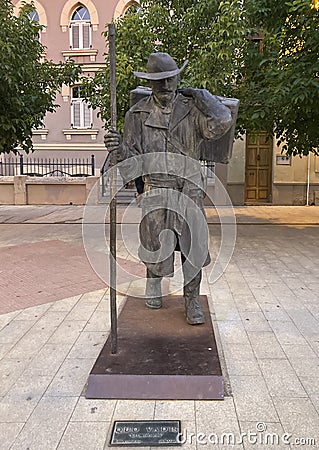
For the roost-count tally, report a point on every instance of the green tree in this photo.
(28, 81)
(209, 33)
(280, 85)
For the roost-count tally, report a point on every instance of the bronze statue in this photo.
(172, 123)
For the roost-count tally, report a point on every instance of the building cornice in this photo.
(91, 52)
(93, 132)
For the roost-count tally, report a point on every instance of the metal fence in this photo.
(44, 167)
(208, 168)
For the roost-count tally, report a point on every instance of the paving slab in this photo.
(299, 418)
(10, 371)
(265, 345)
(19, 402)
(217, 422)
(252, 399)
(84, 436)
(69, 381)
(46, 425)
(87, 410)
(262, 436)
(281, 379)
(8, 434)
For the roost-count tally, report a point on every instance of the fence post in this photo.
(21, 164)
(93, 165)
(20, 189)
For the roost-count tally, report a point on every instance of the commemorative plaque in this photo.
(140, 433)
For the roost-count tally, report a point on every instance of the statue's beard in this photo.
(165, 98)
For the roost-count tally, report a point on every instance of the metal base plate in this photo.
(159, 356)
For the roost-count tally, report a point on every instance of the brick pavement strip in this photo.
(43, 272)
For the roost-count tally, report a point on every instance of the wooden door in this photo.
(258, 174)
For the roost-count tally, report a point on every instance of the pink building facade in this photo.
(73, 29)
(257, 172)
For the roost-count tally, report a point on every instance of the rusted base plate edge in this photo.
(155, 387)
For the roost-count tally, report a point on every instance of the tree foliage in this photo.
(278, 87)
(28, 81)
(209, 33)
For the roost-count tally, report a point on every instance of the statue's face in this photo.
(164, 90)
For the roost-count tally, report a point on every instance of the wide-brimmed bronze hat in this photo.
(160, 66)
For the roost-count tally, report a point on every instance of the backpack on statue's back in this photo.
(218, 151)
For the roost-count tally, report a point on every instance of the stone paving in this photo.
(265, 310)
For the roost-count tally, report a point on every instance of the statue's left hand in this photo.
(209, 104)
(188, 92)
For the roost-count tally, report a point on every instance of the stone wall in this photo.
(24, 190)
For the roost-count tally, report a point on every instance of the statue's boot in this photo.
(153, 292)
(194, 313)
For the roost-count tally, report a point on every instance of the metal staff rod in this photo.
(113, 183)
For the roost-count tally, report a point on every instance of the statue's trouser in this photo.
(153, 293)
(194, 313)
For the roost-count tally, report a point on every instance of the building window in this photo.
(132, 7)
(34, 17)
(81, 113)
(80, 29)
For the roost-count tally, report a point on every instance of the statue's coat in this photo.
(150, 129)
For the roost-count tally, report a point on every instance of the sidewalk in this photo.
(265, 310)
(244, 214)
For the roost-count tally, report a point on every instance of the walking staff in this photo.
(113, 183)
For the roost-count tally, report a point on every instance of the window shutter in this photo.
(76, 114)
(86, 31)
(75, 35)
(86, 115)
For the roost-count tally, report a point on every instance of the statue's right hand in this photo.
(112, 140)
